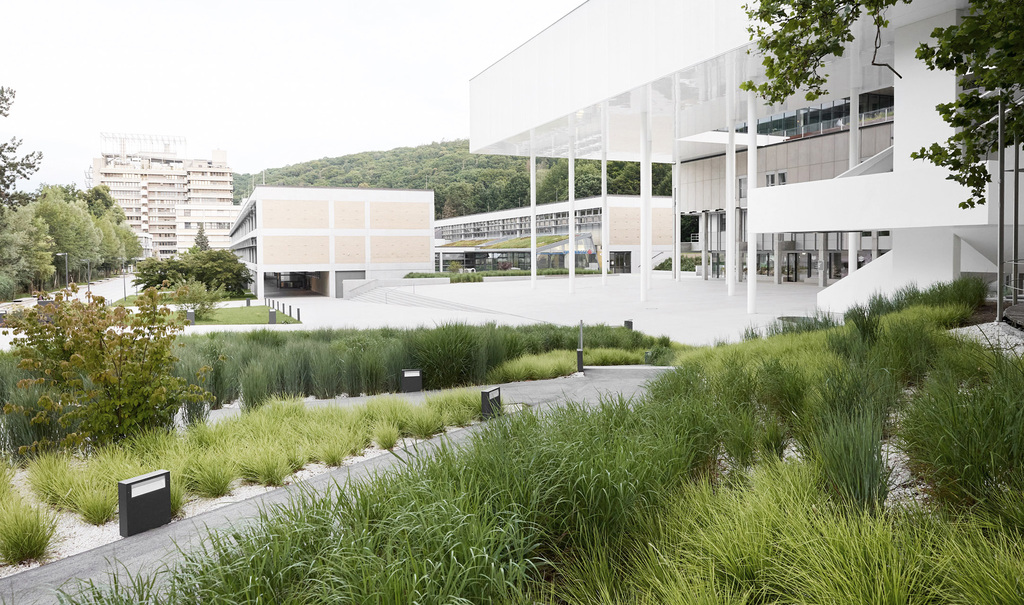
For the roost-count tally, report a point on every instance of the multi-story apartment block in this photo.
(166, 196)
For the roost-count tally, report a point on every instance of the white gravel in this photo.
(74, 536)
(997, 335)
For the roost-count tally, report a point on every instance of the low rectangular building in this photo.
(315, 238)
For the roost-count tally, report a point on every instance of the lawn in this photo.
(227, 316)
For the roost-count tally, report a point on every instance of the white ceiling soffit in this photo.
(700, 100)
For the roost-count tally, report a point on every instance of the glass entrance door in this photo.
(619, 262)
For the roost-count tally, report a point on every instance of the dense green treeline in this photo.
(463, 183)
(86, 226)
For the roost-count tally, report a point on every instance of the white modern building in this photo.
(816, 191)
(165, 196)
(484, 234)
(317, 238)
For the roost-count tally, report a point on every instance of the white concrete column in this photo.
(572, 204)
(853, 238)
(874, 246)
(822, 253)
(751, 185)
(705, 234)
(854, 249)
(645, 195)
(676, 189)
(533, 216)
(605, 220)
(956, 256)
(777, 257)
(731, 252)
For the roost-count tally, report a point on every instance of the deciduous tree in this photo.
(106, 372)
(984, 50)
(13, 167)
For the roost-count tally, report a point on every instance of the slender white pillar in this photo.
(777, 257)
(676, 189)
(605, 219)
(533, 216)
(731, 260)
(822, 263)
(645, 195)
(751, 185)
(853, 238)
(705, 234)
(572, 204)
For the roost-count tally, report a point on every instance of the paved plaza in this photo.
(690, 311)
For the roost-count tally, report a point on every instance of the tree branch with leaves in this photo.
(13, 167)
(985, 51)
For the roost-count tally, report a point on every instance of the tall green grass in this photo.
(329, 363)
(964, 433)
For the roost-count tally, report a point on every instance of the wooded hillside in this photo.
(463, 183)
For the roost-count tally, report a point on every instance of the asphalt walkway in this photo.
(160, 548)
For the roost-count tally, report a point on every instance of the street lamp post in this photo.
(65, 255)
(88, 279)
(124, 281)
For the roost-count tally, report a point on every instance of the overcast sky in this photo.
(270, 82)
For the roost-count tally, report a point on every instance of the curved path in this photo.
(161, 548)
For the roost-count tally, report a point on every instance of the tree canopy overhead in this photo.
(985, 51)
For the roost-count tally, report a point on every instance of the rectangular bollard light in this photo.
(628, 324)
(273, 317)
(191, 317)
(579, 360)
(247, 301)
(412, 381)
(144, 502)
(290, 311)
(490, 403)
(298, 314)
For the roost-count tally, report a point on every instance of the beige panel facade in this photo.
(803, 160)
(296, 249)
(624, 226)
(399, 215)
(349, 249)
(399, 248)
(349, 215)
(295, 214)
(662, 226)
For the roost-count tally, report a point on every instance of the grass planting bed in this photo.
(55, 493)
(876, 461)
(58, 504)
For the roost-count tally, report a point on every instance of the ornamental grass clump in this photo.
(209, 473)
(386, 435)
(456, 408)
(534, 367)
(26, 531)
(963, 434)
